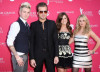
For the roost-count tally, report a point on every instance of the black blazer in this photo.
(35, 40)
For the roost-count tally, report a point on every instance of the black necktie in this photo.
(26, 24)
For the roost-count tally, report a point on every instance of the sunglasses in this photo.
(43, 12)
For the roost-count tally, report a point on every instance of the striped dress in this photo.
(81, 58)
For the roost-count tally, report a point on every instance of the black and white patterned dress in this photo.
(65, 54)
(81, 58)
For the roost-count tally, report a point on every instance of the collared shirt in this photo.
(14, 30)
(44, 34)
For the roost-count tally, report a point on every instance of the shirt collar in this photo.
(41, 22)
(24, 21)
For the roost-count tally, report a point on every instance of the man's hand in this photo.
(56, 60)
(33, 63)
(19, 60)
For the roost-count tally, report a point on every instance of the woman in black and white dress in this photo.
(64, 34)
(82, 55)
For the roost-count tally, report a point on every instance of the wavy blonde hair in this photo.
(78, 27)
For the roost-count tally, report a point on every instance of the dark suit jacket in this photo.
(36, 42)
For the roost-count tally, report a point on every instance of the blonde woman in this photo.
(82, 55)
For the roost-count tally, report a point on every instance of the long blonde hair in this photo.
(78, 27)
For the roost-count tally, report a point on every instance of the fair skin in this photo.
(82, 23)
(63, 29)
(24, 14)
(63, 22)
(42, 18)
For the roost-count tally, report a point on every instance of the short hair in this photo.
(25, 5)
(41, 4)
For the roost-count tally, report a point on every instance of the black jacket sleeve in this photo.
(55, 38)
(31, 50)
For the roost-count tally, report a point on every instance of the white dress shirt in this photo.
(14, 30)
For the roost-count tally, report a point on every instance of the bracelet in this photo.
(93, 51)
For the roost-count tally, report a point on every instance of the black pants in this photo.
(49, 63)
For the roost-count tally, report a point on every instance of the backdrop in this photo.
(9, 14)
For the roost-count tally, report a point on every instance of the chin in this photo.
(64, 23)
(82, 26)
(25, 18)
(43, 18)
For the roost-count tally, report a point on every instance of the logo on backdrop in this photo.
(3, 43)
(72, 26)
(56, 1)
(1, 31)
(47, 2)
(81, 11)
(88, 13)
(90, 41)
(99, 12)
(70, 0)
(33, 14)
(7, 13)
(68, 12)
(94, 25)
(2, 60)
(88, 0)
(48, 13)
(12, 0)
(96, 52)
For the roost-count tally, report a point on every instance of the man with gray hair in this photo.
(18, 39)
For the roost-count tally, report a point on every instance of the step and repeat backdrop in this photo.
(9, 14)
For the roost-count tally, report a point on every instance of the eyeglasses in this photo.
(43, 12)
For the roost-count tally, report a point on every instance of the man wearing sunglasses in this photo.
(43, 42)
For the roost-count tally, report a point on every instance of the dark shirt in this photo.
(42, 40)
(44, 34)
